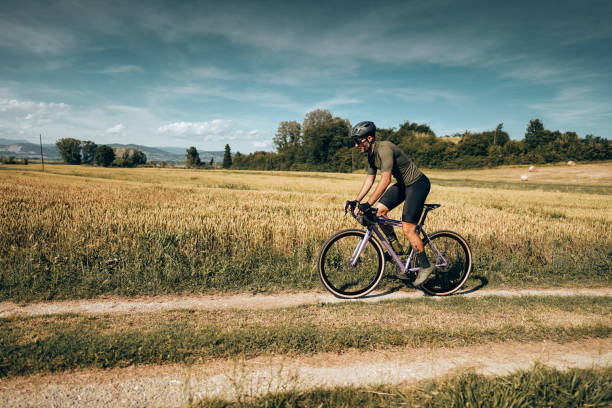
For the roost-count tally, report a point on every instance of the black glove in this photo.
(350, 205)
(364, 207)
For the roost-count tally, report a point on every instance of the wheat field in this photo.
(81, 231)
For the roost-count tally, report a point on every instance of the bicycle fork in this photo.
(359, 249)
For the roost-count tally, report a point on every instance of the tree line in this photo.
(193, 159)
(75, 151)
(322, 143)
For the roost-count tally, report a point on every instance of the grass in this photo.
(82, 232)
(63, 342)
(538, 387)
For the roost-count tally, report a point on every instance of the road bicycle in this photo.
(351, 262)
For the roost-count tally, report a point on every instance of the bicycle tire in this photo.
(453, 269)
(342, 279)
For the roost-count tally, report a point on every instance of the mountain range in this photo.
(23, 149)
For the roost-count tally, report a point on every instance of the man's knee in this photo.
(382, 210)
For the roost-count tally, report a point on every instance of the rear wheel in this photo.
(347, 278)
(452, 257)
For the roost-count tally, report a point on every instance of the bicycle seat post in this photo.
(427, 207)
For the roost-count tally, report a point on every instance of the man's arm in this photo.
(385, 180)
(367, 185)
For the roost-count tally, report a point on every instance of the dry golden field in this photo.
(81, 231)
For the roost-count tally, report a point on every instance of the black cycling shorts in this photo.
(414, 196)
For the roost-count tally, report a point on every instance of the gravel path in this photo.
(173, 385)
(248, 301)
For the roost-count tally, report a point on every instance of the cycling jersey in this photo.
(388, 157)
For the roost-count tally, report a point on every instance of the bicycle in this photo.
(351, 262)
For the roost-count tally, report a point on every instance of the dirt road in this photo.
(247, 301)
(175, 384)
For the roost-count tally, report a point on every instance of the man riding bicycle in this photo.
(412, 187)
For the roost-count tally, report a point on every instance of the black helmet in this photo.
(363, 130)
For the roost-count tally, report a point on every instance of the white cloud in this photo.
(116, 129)
(17, 104)
(22, 115)
(262, 144)
(213, 128)
(217, 132)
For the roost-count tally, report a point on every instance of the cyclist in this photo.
(412, 187)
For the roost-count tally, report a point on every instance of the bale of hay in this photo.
(571, 163)
(531, 168)
(524, 177)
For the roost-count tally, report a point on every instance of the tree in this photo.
(227, 157)
(193, 157)
(104, 155)
(129, 157)
(288, 136)
(324, 135)
(138, 157)
(88, 148)
(70, 150)
(534, 132)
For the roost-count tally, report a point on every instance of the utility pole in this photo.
(42, 158)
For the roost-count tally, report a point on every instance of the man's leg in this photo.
(409, 231)
(388, 230)
(425, 268)
(413, 207)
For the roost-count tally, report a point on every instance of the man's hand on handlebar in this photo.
(364, 207)
(350, 205)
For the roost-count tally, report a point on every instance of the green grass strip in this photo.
(538, 387)
(63, 342)
(77, 348)
(553, 187)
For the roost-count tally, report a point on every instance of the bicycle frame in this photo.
(381, 237)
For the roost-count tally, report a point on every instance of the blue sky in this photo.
(210, 73)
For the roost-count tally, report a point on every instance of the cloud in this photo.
(35, 37)
(17, 104)
(121, 69)
(212, 73)
(116, 129)
(21, 115)
(217, 132)
(421, 95)
(575, 106)
(208, 129)
(337, 101)
(262, 144)
(256, 95)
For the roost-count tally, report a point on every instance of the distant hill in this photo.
(21, 149)
(205, 155)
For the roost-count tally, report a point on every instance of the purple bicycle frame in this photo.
(362, 243)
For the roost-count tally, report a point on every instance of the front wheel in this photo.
(452, 257)
(343, 275)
